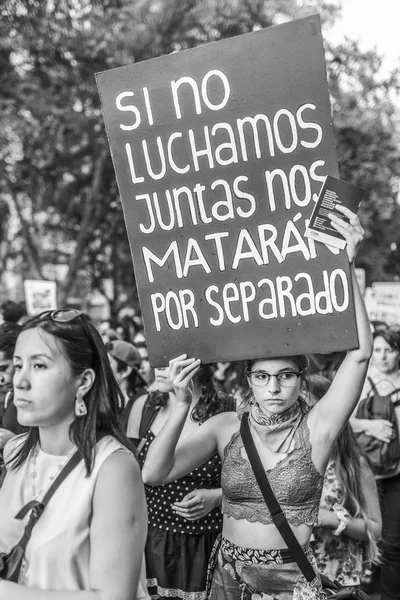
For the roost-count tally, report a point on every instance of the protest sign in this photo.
(40, 295)
(220, 152)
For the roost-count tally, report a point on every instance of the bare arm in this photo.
(331, 413)
(166, 459)
(356, 526)
(118, 529)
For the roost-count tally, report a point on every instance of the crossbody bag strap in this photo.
(34, 504)
(274, 507)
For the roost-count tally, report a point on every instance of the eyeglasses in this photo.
(284, 379)
(62, 315)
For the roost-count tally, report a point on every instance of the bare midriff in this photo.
(257, 535)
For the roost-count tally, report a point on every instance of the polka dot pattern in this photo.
(160, 498)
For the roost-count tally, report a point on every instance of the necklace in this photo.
(34, 473)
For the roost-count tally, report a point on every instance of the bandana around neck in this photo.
(278, 431)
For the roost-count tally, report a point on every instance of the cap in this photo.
(126, 352)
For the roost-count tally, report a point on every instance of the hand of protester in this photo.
(182, 371)
(352, 231)
(5, 435)
(380, 429)
(198, 504)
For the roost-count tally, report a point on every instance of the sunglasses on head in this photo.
(62, 315)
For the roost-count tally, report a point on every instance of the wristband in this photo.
(343, 516)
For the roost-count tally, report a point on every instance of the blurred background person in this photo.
(125, 362)
(384, 379)
(349, 522)
(146, 371)
(9, 424)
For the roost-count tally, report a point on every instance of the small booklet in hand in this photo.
(333, 192)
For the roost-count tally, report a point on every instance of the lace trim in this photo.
(170, 593)
(259, 514)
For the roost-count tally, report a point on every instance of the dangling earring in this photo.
(80, 406)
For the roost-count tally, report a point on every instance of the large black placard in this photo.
(220, 153)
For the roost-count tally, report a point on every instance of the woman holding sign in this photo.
(184, 516)
(293, 444)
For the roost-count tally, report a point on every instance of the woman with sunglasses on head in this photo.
(88, 543)
(184, 515)
(294, 445)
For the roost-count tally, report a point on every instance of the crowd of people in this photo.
(159, 498)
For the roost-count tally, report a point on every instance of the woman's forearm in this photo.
(161, 455)
(359, 425)
(364, 351)
(356, 528)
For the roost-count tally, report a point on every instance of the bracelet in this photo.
(343, 516)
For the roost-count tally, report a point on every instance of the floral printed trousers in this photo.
(238, 573)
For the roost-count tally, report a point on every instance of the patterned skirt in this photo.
(238, 573)
(176, 564)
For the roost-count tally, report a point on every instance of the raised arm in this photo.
(331, 413)
(166, 459)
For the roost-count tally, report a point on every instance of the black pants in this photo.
(390, 568)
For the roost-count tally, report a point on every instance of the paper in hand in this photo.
(333, 192)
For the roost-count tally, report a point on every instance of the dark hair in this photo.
(391, 337)
(12, 312)
(300, 360)
(83, 348)
(210, 401)
(379, 325)
(8, 338)
(132, 379)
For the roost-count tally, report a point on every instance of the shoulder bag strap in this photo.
(148, 415)
(397, 403)
(373, 388)
(71, 464)
(37, 508)
(274, 507)
(372, 384)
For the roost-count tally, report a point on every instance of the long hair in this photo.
(83, 349)
(349, 462)
(209, 402)
(301, 361)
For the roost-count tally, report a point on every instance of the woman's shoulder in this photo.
(224, 420)
(106, 447)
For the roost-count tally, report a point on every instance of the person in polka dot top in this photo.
(184, 516)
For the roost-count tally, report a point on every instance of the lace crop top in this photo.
(294, 480)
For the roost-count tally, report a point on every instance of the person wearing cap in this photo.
(125, 361)
(9, 425)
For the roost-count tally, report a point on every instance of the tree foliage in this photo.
(56, 174)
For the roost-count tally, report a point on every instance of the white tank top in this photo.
(58, 553)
